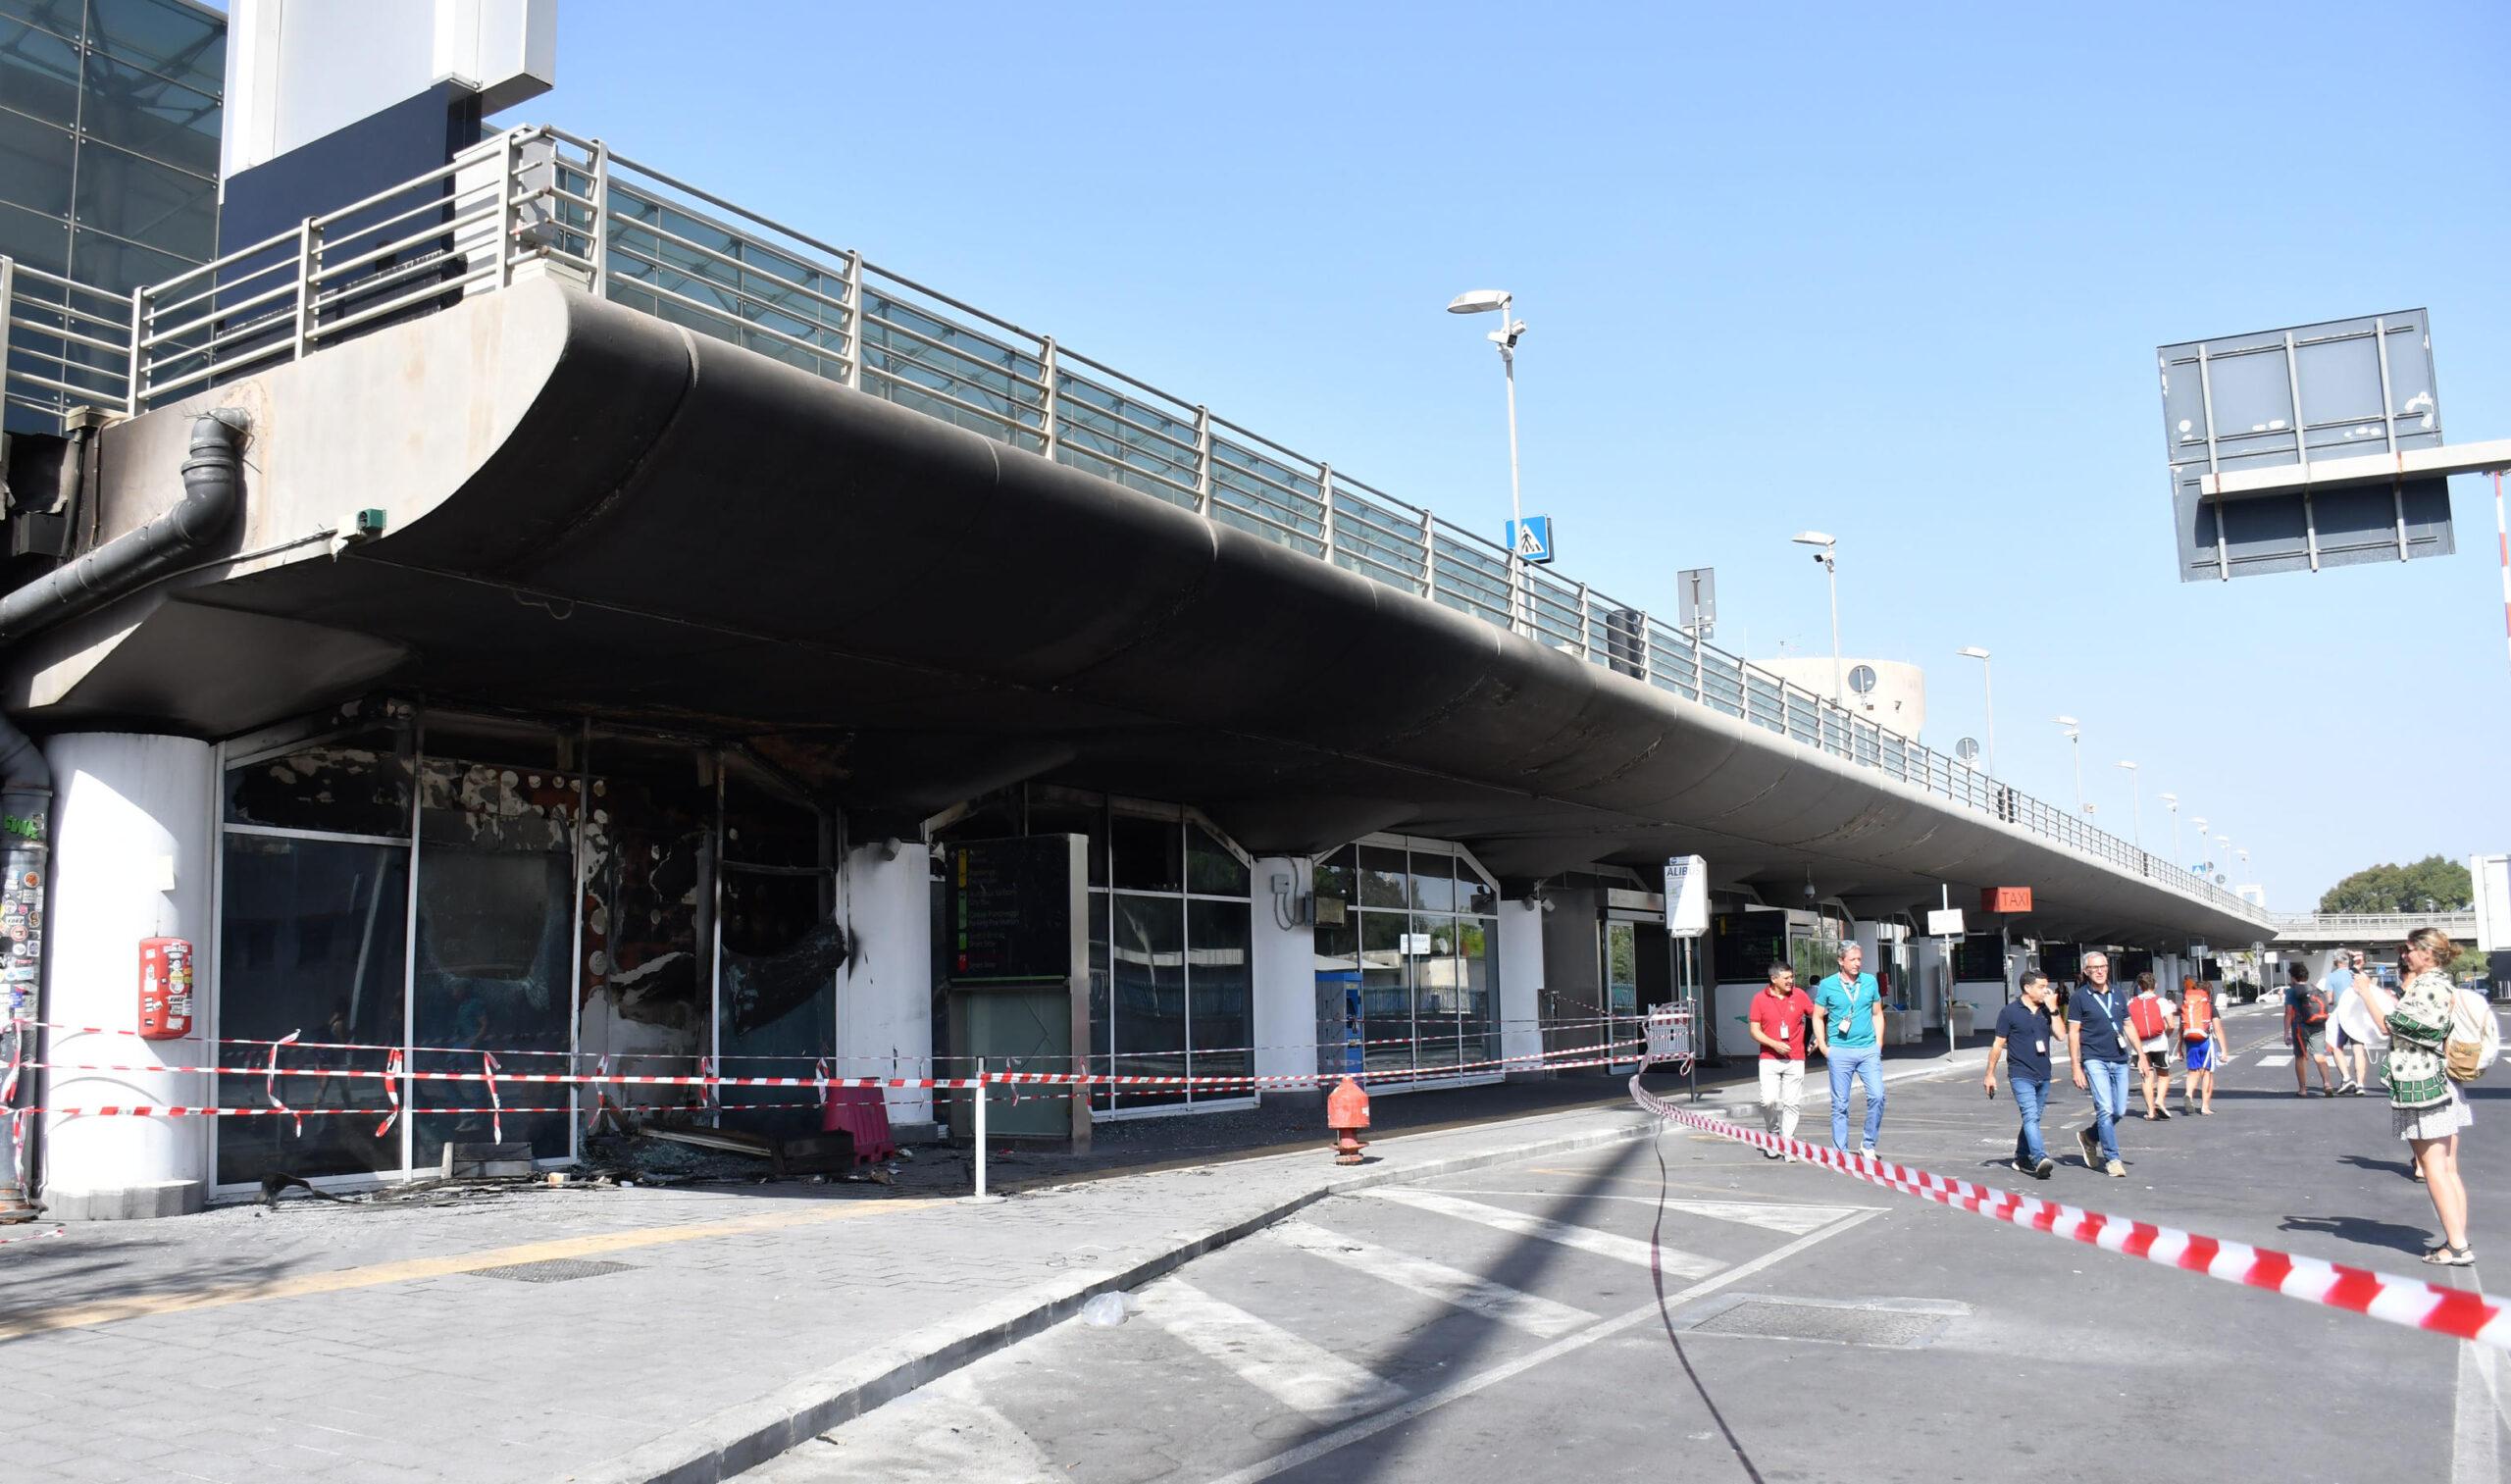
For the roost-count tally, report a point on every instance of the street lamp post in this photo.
(2075, 735)
(1987, 683)
(1486, 301)
(2136, 780)
(1828, 551)
(2171, 801)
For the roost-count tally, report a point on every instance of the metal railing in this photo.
(2375, 926)
(536, 200)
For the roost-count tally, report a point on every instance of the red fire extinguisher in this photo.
(164, 989)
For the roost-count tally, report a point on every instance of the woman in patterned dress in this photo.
(2426, 1108)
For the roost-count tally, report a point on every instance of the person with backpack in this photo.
(2306, 1027)
(2436, 1042)
(2201, 1038)
(2157, 1024)
(2334, 987)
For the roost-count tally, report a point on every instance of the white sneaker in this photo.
(1867, 1151)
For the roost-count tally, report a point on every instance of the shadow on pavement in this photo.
(2363, 1231)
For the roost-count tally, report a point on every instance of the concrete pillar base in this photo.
(128, 1203)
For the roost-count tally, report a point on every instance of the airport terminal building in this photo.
(530, 607)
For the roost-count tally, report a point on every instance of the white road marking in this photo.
(1774, 1216)
(1434, 1280)
(2477, 1415)
(2284, 1060)
(1680, 1264)
(940, 1431)
(1458, 1391)
(1294, 1372)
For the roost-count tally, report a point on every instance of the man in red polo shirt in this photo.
(1779, 1015)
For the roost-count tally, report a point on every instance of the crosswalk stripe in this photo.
(2284, 1060)
(940, 1431)
(1680, 1264)
(1774, 1216)
(1436, 1280)
(1306, 1377)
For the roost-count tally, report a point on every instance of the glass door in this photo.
(1620, 980)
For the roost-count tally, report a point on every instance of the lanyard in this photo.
(2111, 1010)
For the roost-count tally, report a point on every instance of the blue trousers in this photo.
(2030, 1095)
(1864, 1063)
(2108, 1080)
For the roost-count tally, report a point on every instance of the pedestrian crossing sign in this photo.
(1531, 539)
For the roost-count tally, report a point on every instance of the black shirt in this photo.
(2026, 1033)
(2104, 1016)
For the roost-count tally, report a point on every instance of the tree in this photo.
(2472, 963)
(2444, 882)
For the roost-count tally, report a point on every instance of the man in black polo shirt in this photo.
(2023, 1039)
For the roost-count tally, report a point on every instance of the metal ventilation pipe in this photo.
(213, 492)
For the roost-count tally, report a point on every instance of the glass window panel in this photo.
(1439, 1001)
(1148, 951)
(311, 936)
(1473, 893)
(39, 73)
(1089, 820)
(1338, 996)
(764, 826)
(37, 240)
(1334, 876)
(65, 17)
(119, 267)
(151, 116)
(145, 202)
(497, 922)
(1433, 882)
(1212, 868)
(1149, 855)
(358, 784)
(782, 953)
(648, 939)
(1099, 1056)
(1477, 945)
(1386, 992)
(1381, 877)
(39, 159)
(170, 39)
(1222, 992)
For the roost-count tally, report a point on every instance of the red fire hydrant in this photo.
(1347, 1112)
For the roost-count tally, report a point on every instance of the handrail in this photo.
(538, 199)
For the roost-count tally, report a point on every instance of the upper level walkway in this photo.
(535, 202)
(2366, 930)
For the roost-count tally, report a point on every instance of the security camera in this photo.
(1810, 892)
(1817, 558)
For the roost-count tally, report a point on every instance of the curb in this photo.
(747, 1435)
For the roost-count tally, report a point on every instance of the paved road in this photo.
(1507, 1324)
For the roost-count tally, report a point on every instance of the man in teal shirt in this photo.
(1848, 1028)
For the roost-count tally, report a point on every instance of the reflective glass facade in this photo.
(109, 133)
(1408, 982)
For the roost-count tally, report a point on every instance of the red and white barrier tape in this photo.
(270, 1083)
(2463, 1313)
(34, 1236)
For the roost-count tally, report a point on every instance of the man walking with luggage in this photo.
(2100, 1045)
(1848, 1030)
(2023, 1041)
(1781, 1014)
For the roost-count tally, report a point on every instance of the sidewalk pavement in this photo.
(678, 1335)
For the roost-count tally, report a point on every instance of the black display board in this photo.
(1012, 910)
(2127, 963)
(1742, 945)
(1979, 958)
(2062, 962)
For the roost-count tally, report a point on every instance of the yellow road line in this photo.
(142, 1305)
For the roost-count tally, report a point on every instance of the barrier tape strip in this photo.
(497, 1118)
(270, 1084)
(2460, 1312)
(34, 1236)
(391, 1090)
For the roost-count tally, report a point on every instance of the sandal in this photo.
(2446, 1255)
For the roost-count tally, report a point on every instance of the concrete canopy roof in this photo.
(592, 511)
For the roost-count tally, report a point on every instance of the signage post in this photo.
(1686, 919)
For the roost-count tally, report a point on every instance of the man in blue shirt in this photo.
(2101, 1043)
(2022, 1040)
(1848, 1029)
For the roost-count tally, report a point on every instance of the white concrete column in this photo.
(1282, 970)
(1520, 930)
(884, 1001)
(131, 836)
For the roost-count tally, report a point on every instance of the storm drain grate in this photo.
(554, 1270)
(1889, 1327)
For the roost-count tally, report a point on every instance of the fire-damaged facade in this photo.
(541, 627)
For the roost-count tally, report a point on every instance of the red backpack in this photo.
(2196, 1015)
(2317, 1015)
(2145, 1014)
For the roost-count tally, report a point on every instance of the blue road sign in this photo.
(1533, 538)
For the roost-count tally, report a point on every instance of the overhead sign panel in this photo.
(1531, 539)
(1686, 895)
(2296, 449)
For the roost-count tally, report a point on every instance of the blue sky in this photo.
(1896, 273)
